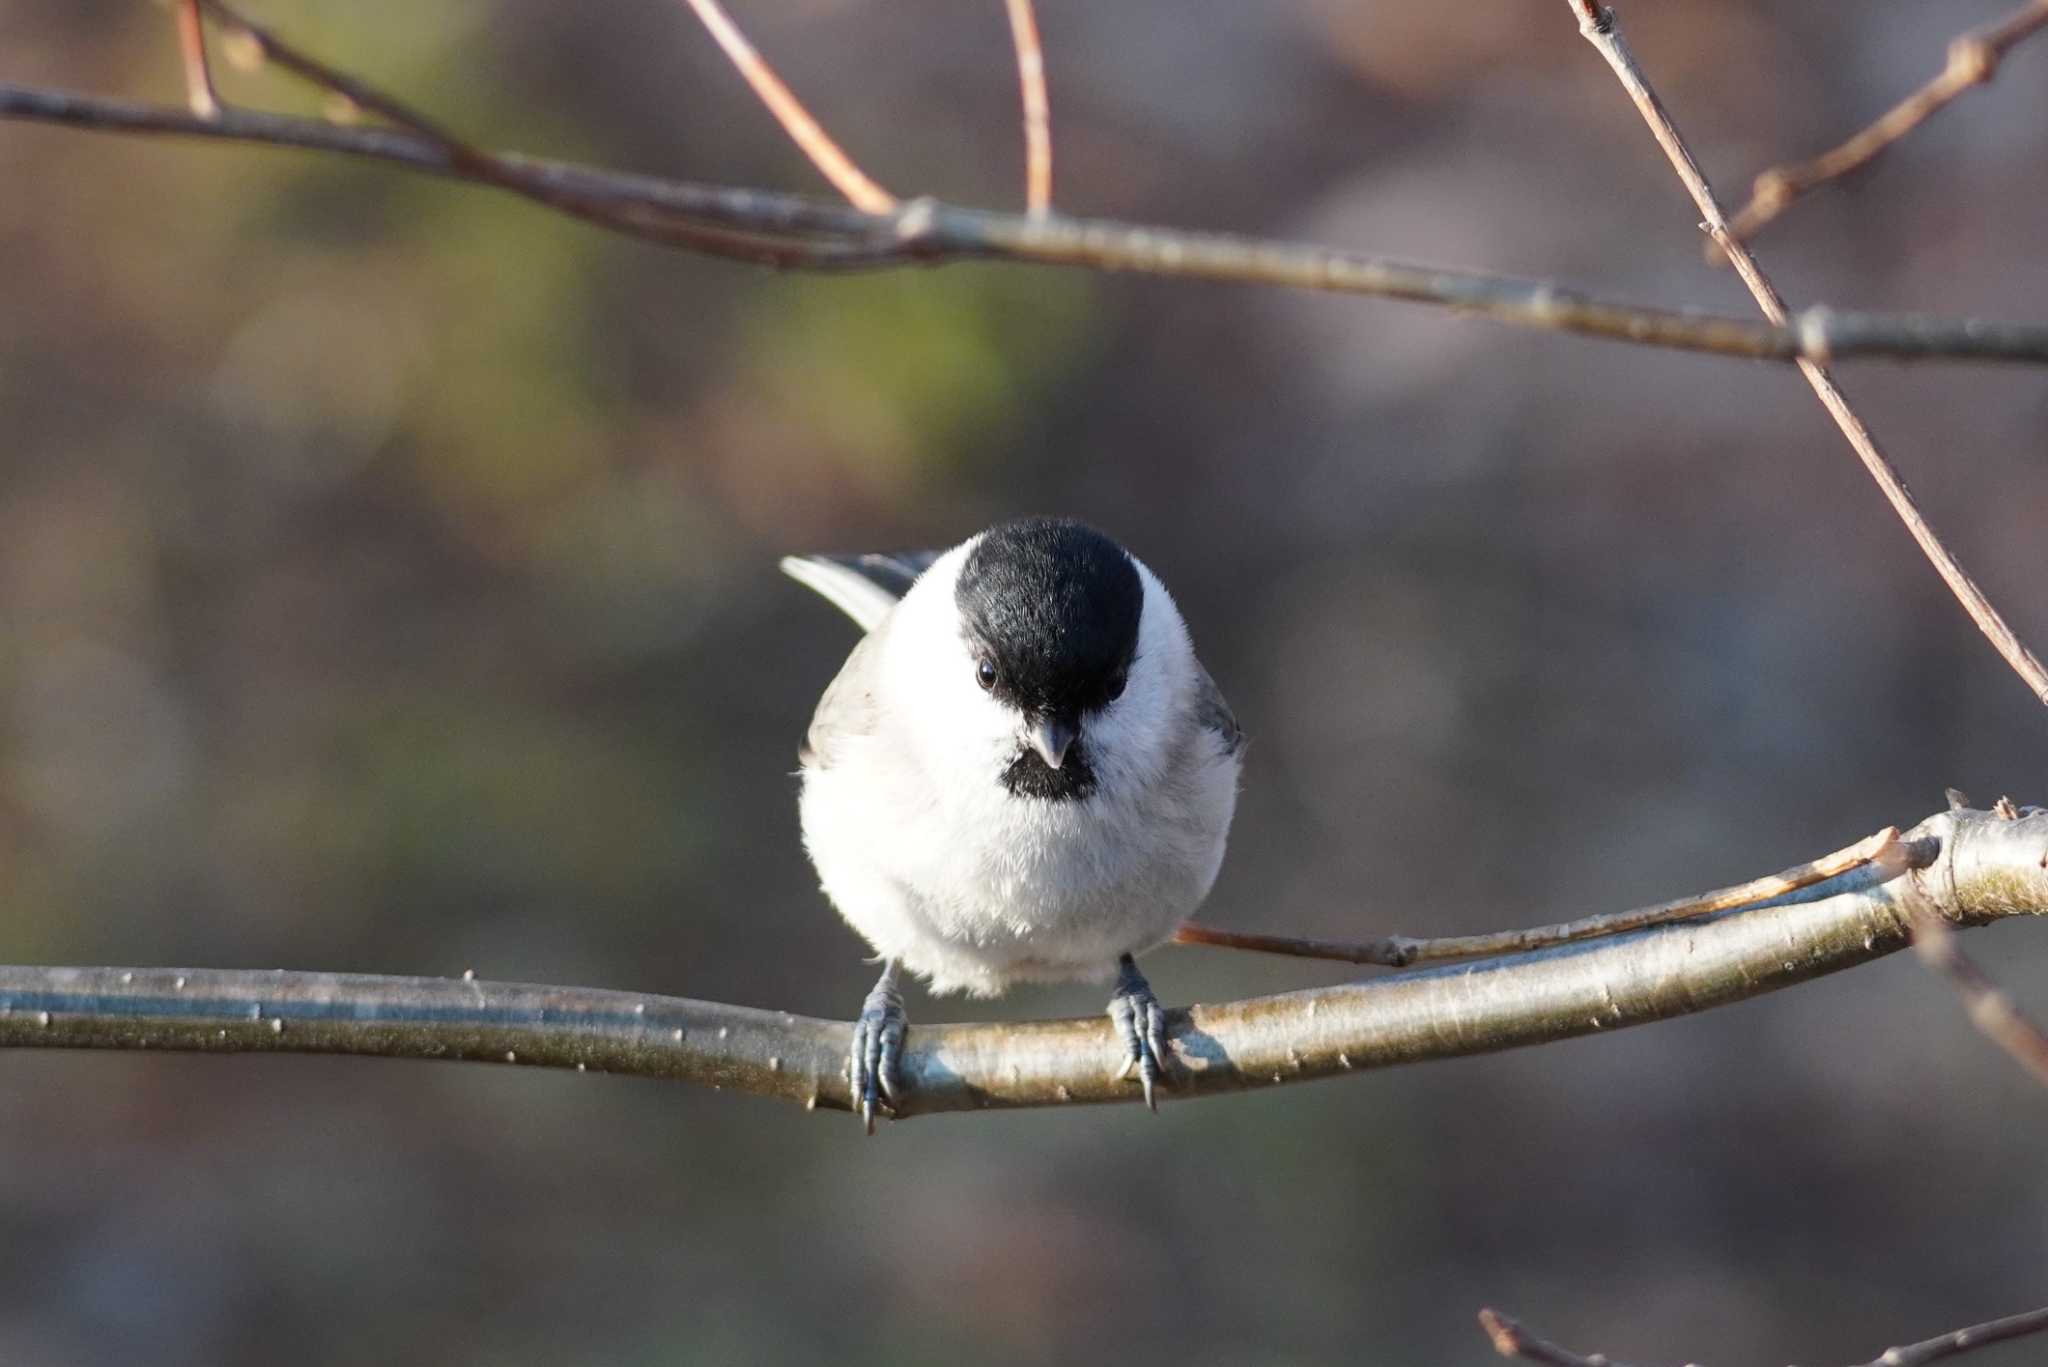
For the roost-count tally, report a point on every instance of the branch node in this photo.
(1772, 191)
(1814, 334)
(1972, 60)
(1505, 1333)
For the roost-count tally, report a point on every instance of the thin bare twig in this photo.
(1973, 60)
(1037, 108)
(1962, 1340)
(266, 46)
(1990, 1009)
(806, 132)
(1598, 25)
(199, 91)
(1398, 951)
(461, 158)
(797, 232)
(1511, 1340)
(1967, 866)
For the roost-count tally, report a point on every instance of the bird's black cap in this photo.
(1054, 604)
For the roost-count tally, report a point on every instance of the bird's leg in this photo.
(1141, 1024)
(871, 1066)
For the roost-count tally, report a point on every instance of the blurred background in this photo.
(387, 582)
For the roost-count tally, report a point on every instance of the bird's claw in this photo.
(872, 1064)
(1141, 1025)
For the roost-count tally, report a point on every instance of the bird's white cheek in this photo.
(967, 734)
(1131, 730)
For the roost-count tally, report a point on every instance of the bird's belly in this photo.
(990, 893)
(1059, 905)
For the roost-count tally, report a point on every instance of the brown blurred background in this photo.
(387, 581)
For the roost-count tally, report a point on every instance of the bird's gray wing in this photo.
(1212, 713)
(848, 708)
(864, 587)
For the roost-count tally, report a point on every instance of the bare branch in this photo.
(199, 91)
(1399, 951)
(1037, 108)
(1963, 1340)
(1600, 29)
(1973, 60)
(1511, 1340)
(459, 158)
(265, 46)
(796, 232)
(806, 132)
(1965, 866)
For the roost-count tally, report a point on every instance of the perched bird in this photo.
(1021, 774)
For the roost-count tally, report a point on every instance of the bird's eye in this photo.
(1116, 684)
(985, 674)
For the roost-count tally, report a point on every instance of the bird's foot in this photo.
(1141, 1025)
(871, 1065)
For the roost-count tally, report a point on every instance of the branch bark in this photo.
(799, 232)
(1966, 867)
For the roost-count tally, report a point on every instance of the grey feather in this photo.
(1212, 713)
(846, 710)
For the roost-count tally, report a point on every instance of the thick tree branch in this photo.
(795, 231)
(1967, 867)
(1600, 28)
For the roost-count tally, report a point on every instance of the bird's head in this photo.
(1033, 645)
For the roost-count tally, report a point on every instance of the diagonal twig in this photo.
(1962, 1340)
(1990, 1009)
(1037, 108)
(1512, 1340)
(806, 132)
(1597, 24)
(1398, 951)
(1973, 60)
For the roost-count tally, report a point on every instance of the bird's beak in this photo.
(1051, 737)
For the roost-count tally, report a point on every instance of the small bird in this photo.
(1021, 774)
